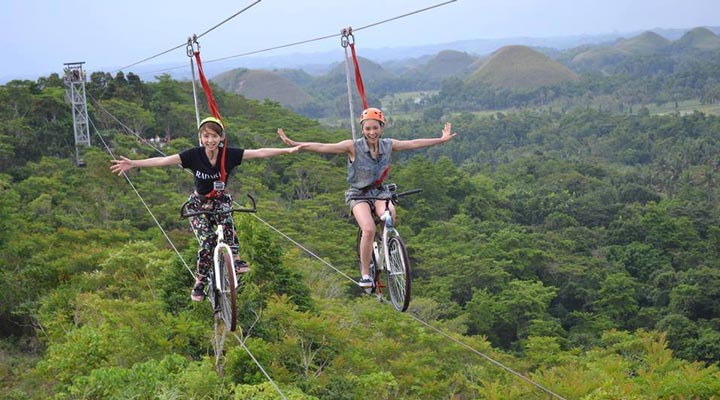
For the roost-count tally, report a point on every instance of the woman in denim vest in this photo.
(368, 166)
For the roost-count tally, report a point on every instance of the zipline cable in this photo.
(242, 343)
(488, 358)
(228, 19)
(334, 35)
(127, 178)
(181, 45)
(414, 317)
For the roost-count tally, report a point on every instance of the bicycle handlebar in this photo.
(184, 214)
(394, 196)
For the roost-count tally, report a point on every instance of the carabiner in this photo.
(347, 37)
(190, 48)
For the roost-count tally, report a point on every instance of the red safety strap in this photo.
(215, 113)
(358, 77)
(382, 177)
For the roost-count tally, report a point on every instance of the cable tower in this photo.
(75, 91)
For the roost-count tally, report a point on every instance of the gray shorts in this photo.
(352, 192)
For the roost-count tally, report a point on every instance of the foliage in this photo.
(578, 247)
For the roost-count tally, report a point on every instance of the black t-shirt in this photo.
(205, 174)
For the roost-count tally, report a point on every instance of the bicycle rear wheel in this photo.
(398, 274)
(373, 263)
(226, 291)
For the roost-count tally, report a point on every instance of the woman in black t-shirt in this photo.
(205, 163)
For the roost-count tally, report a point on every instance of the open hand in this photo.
(120, 166)
(447, 132)
(296, 148)
(286, 139)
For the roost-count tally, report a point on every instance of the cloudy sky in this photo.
(38, 36)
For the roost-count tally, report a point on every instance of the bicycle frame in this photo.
(387, 232)
(221, 244)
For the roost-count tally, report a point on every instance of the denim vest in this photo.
(364, 171)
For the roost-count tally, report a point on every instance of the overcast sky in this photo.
(38, 36)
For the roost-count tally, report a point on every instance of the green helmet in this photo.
(215, 120)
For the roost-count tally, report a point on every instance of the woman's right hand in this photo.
(120, 166)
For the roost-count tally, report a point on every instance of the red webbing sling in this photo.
(358, 77)
(212, 105)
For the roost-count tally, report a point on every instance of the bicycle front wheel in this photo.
(226, 291)
(398, 273)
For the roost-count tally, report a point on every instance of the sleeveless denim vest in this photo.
(364, 171)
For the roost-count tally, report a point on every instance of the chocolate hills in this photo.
(520, 67)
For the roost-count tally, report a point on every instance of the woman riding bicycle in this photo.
(210, 162)
(368, 166)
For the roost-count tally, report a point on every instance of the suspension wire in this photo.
(334, 35)
(468, 347)
(405, 15)
(127, 178)
(304, 248)
(485, 356)
(181, 45)
(229, 18)
(344, 41)
(242, 343)
(190, 52)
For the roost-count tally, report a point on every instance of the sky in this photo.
(38, 36)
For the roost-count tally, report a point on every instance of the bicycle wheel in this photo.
(226, 291)
(398, 273)
(373, 263)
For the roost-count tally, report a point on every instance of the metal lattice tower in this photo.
(75, 89)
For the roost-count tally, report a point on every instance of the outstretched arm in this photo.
(420, 143)
(346, 146)
(269, 152)
(124, 164)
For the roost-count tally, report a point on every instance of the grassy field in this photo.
(684, 107)
(392, 105)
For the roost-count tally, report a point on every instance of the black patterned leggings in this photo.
(204, 225)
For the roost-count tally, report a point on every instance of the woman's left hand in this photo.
(447, 132)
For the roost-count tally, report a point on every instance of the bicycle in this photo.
(389, 253)
(222, 280)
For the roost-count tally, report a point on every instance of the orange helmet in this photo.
(373, 113)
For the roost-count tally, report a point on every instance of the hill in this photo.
(520, 67)
(448, 63)
(261, 85)
(700, 39)
(645, 43)
(599, 57)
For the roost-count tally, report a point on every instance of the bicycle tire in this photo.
(398, 273)
(373, 262)
(226, 291)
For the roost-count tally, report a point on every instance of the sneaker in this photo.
(198, 292)
(365, 282)
(241, 267)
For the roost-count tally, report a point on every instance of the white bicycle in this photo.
(389, 254)
(223, 281)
